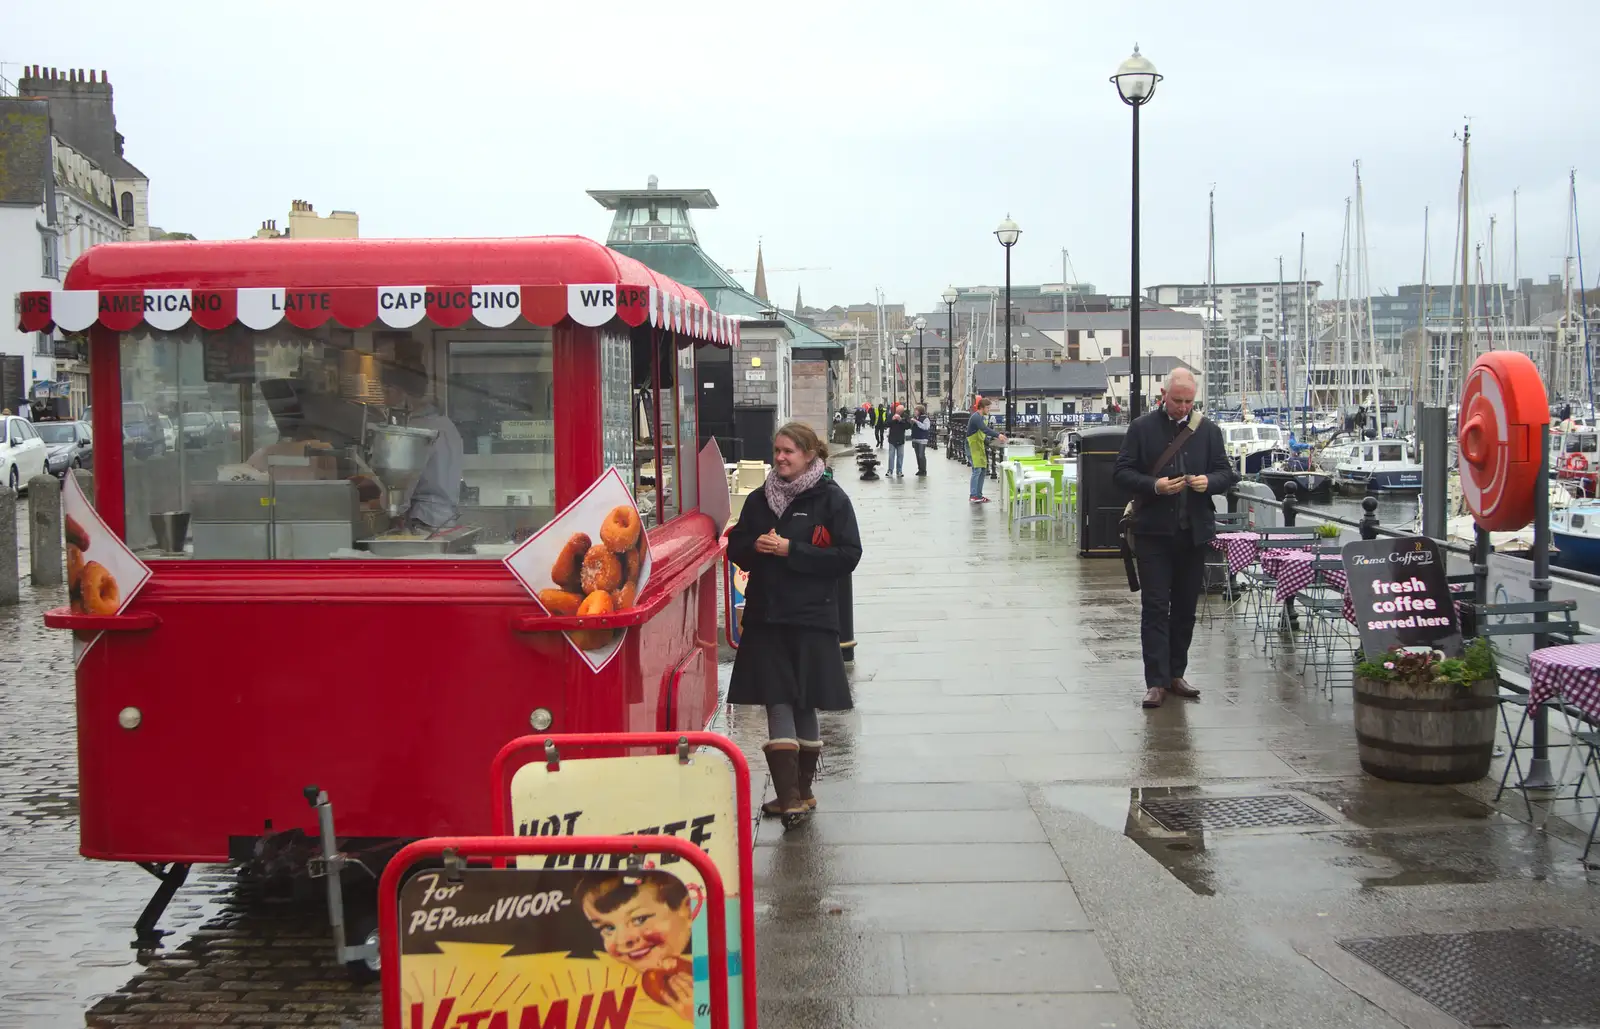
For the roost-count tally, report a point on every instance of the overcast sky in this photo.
(879, 142)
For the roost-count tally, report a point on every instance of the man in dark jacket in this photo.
(1173, 523)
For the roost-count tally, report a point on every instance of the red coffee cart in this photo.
(291, 644)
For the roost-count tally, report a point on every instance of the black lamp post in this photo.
(905, 347)
(922, 368)
(1007, 234)
(1136, 83)
(950, 297)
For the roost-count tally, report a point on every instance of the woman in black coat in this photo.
(797, 537)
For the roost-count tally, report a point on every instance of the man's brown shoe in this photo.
(1182, 688)
(1154, 696)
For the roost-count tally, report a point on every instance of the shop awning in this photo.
(260, 283)
(356, 307)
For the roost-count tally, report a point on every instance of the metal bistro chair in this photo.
(1261, 594)
(1227, 521)
(1515, 687)
(1327, 633)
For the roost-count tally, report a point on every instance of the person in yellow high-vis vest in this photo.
(978, 436)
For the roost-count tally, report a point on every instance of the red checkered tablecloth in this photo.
(1571, 672)
(1295, 571)
(1240, 548)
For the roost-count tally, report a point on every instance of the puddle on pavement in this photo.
(1370, 834)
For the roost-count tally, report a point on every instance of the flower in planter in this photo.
(1419, 665)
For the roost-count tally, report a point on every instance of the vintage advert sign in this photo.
(1401, 595)
(592, 559)
(513, 947)
(103, 575)
(650, 795)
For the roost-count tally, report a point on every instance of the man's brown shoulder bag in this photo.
(1188, 430)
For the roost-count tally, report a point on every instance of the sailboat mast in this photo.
(1420, 352)
(1364, 282)
(1346, 373)
(1305, 338)
(1467, 347)
(1583, 293)
(1211, 281)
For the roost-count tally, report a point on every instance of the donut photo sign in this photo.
(103, 575)
(592, 559)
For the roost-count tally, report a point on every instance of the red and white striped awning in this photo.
(356, 307)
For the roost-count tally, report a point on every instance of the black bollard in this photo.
(847, 619)
(1369, 521)
(1291, 502)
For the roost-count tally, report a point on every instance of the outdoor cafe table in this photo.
(1240, 548)
(1570, 673)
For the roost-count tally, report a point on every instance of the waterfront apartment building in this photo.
(1244, 310)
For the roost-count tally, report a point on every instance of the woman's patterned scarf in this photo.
(780, 493)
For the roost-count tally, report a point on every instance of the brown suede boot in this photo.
(783, 761)
(810, 754)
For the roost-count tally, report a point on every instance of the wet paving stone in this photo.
(1000, 963)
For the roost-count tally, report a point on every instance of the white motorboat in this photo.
(1379, 466)
(1250, 445)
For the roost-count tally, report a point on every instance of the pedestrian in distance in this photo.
(978, 436)
(797, 538)
(861, 418)
(921, 434)
(880, 420)
(1172, 462)
(899, 427)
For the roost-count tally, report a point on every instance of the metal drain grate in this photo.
(1507, 977)
(1195, 814)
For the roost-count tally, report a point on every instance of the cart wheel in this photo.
(361, 926)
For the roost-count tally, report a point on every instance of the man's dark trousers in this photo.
(1171, 573)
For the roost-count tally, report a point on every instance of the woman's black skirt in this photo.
(785, 664)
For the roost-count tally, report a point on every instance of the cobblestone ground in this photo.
(66, 958)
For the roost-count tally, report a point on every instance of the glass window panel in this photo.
(616, 387)
(289, 444)
(688, 437)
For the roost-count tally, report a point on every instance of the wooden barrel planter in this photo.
(1430, 733)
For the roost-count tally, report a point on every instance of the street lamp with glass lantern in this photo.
(905, 348)
(1007, 234)
(922, 371)
(950, 296)
(1136, 82)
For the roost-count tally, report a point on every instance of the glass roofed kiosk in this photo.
(280, 641)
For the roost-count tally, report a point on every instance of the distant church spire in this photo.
(797, 303)
(761, 274)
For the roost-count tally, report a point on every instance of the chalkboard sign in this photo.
(1401, 595)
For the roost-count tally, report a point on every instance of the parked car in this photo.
(140, 429)
(201, 429)
(68, 445)
(22, 455)
(230, 419)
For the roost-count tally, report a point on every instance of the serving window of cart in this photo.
(357, 421)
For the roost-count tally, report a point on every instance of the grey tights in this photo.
(786, 722)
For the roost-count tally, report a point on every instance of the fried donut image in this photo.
(632, 561)
(624, 598)
(560, 602)
(621, 528)
(598, 602)
(76, 536)
(601, 570)
(100, 594)
(567, 572)
(74, 567)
